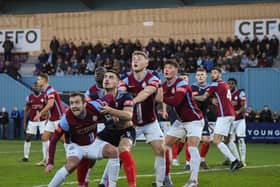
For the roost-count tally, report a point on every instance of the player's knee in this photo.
(28, 137)
(70, 167)
(123, 149)
(110, 151)
(159, 150)
(217, 140)
(193, 141)
(206, 139)
(45, 137)
(241, 140)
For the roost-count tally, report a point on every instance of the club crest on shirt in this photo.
(144, 85)
(94, 118)
(173, 90)
(42, 100)
(235, 98)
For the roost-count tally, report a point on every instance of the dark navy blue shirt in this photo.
(200, 90)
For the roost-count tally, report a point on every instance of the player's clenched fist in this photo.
(49, 168)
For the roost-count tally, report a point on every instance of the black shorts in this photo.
(114, 136)
(205, 130)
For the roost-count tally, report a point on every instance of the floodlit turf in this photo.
(263, 168)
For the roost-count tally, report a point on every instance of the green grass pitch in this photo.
(263, 168)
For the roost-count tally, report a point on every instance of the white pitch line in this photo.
(175, 173)
(11, 152)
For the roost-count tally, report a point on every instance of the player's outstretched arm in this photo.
(25, 115)
(52, 147)
(159, 96)
(243, 106)
(201, 97)
(124, 115)
(177, 99)
(45, 110)
(144, 94)
(164, 111)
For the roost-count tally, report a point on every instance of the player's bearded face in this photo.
(200, 77)
(231, 85)
(215, 75)
(170, 71)
(77, 105)
(40, 81)
(139, 63)
(36, 88)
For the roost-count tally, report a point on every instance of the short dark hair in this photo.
(184, 74)
(100, 68)
(172, 63)
(201, 70)
(112, 70)
(233, 80)
(140, 53)
(44, 76)
(217, 68)
(74, 94)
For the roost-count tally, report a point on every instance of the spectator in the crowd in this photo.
(275, 117)
(15, 115)
(250, 114)
(268, 53)
(253, 61)
(90, 68)
(263, 61)
(4, 122)
(83, 66)
(8, 46)
(208, 64)
(257, 116)
(59, 73)
(12, 70)
(89, 56)
(230, 55)
(64, 48)
(43, 57)
(274, 43)
(54, 45)
(266, 115)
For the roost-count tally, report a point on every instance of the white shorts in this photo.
(239, 128)
(51, 125)
(92, 151)
(33, 125)
(224, 125)
(151, 131)
(182, 129)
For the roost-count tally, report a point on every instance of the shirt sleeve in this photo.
(212, 88)
(27, 101)
(128, 100)
(181, 90)
(124, 83)
(242, 96)
(154, 81)
(50, 93)
(64, 124)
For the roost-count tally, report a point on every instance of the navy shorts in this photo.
(114, 136)
(205, 130)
